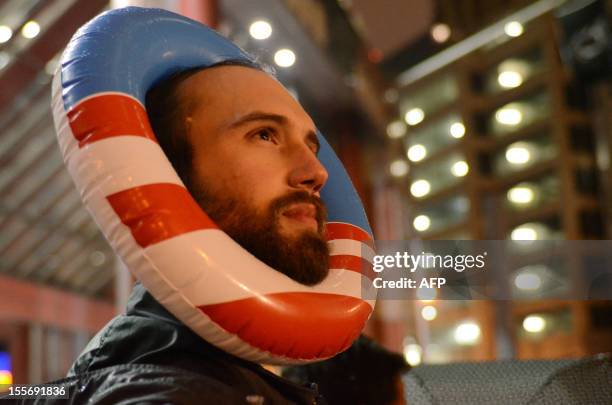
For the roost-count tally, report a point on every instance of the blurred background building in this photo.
(456, 119)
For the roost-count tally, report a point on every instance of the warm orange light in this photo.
(6, 377)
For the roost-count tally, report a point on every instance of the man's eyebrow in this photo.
(279, 119)
(258, 116)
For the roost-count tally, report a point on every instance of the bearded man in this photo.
(247, 152)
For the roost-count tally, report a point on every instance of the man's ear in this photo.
(188, 124)
(186, 128)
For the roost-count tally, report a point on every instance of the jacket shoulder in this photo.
(142, 384)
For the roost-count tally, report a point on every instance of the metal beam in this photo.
(472, 43)
(21, 72)
(27, 302)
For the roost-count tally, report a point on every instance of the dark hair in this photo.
(364, 374)
(167, 109)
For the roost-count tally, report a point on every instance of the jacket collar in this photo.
(149, 334)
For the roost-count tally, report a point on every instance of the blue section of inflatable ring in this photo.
(128, 50)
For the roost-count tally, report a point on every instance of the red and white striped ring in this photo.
(194, 269)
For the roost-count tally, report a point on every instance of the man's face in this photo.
(255, 169)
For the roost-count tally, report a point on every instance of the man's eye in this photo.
(265, 135)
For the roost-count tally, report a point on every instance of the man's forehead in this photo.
(238, 76)
(239, 90)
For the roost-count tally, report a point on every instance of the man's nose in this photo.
(307, 172)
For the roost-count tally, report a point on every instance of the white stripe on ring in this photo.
(121, 163)
(351, 247)
(211, 278)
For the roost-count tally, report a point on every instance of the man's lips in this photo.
(304, 213)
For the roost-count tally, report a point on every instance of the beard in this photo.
(304, 258)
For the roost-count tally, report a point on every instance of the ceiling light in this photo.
(521, 194)
(413, 354)
(421, 223)
(5, 58)
(396, 129)
(467, 333)
(429, 312)
(513, 29)
(457, 130)
(509, 79)
(509, 116)
(420, 188)
(524, 232)
(414, 116)
(284, 57)
(417, 152)
(30, 29)
(518, 153)
(460, 168)
(527, 281)
(534, 323)
(5, 33)
(260, 30)
(398, 168)
(440, 33)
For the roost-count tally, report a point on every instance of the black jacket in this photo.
(147, 356)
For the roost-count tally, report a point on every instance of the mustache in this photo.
(280, 203)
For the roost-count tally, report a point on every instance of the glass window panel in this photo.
(527, 235)
(533, 194)
(546, 280)
(524, 154)
(540, 325)
(437, 135)
(451, 304)
(461, 235)
(453, 341)
(517, 114)
(439, 174)
(431, 97)
(441, 215)
(514, 71)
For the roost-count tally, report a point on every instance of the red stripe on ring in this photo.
(341, 230)
(108, 115)
(307, 334)
(352, 263)
(157, 212)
